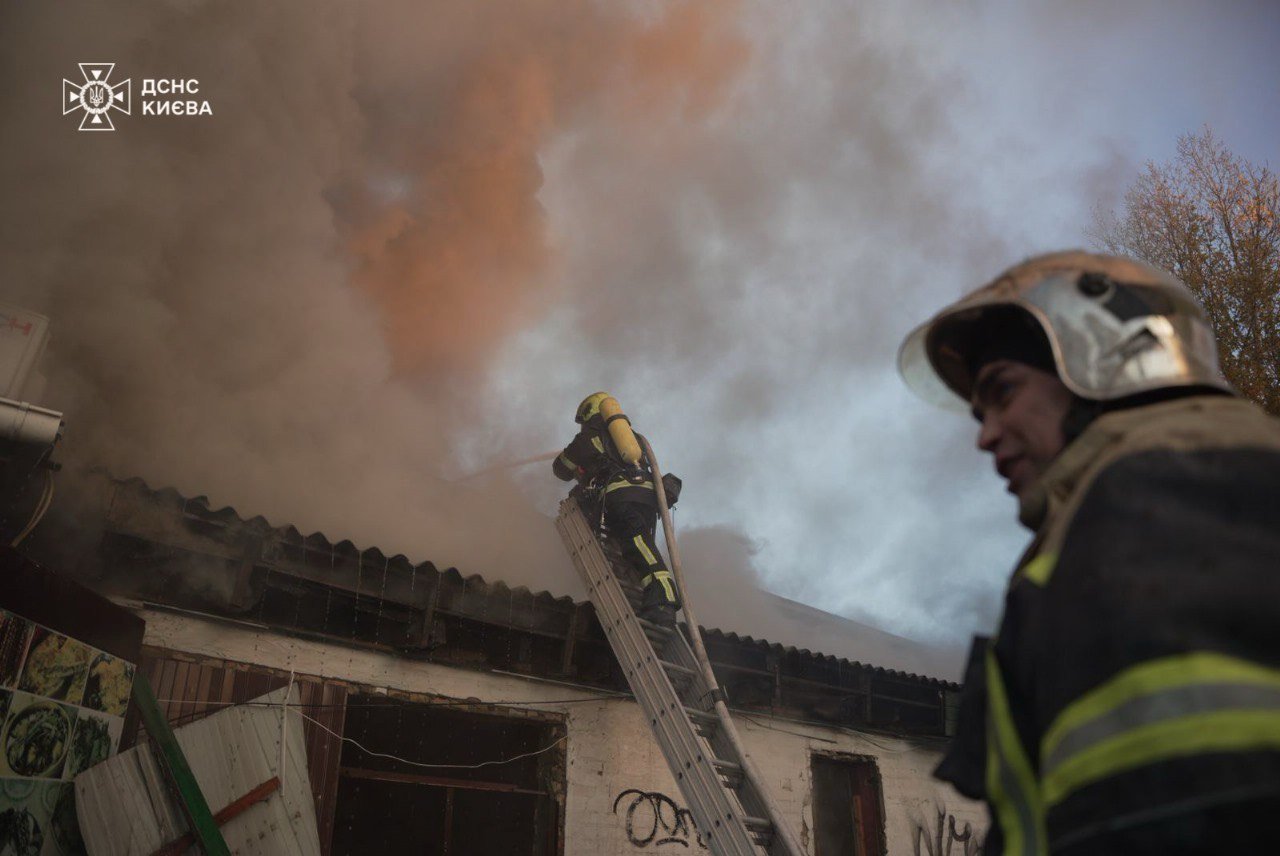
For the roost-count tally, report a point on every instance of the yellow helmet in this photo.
(590, 406)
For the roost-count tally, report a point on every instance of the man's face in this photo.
(1020, 409)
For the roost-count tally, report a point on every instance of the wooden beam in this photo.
(222, 818)
(436, 781)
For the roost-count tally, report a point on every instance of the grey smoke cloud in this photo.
(287, 306)
(413, 236)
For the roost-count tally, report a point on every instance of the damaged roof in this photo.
(140, 511)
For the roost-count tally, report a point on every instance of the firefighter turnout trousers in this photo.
(631, 516)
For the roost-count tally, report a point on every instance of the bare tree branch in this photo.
(1213, 219)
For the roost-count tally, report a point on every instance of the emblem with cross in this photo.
(96, 96)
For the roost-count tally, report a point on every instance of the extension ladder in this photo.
(733, 814)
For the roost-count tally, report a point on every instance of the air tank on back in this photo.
(620, 430)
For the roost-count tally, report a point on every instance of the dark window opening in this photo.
(389, 806)
(848, 807)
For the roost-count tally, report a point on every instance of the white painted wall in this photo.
(609, 747)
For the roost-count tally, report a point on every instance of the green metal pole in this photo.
(203, 827)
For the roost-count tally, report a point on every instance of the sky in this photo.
(411, 237)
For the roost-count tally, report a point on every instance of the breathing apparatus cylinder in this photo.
(624, 439)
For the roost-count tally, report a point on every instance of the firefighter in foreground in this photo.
(1130, 702)
(605, 460)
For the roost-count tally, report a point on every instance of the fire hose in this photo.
(781, 828)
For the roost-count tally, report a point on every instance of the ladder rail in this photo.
(784, 842)
(720, 818)
(703, 697)
(725, 747)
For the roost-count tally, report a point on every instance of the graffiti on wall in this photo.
(653, 819)
(940, 837)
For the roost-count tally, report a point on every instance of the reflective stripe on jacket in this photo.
(1177, 706)
(593, 452)
(1136, 672)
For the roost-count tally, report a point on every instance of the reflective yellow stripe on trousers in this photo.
(649, 558)
(1011, 784)
(663, 577)
(1190, 704)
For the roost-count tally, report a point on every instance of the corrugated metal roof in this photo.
(226, 518)
(126, 807)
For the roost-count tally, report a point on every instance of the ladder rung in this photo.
(702, 717)
(651, 627)
(658, 642)
(617, 596)
(731, 771)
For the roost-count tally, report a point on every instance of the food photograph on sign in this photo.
(15, 633)
(36, 737)
(62, 706)
(38, 818)
(57, 666)
(109, 685)
(94, 740)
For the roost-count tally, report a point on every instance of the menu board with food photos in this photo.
(62, 704)
(62, 707)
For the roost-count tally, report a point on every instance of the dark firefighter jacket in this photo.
(592, 458)
(1135, 676)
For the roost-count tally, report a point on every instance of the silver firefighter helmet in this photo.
(1116, 327)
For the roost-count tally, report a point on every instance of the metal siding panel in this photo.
(262, 731)
(118, 809)
(202, 690)
(127, 807)
(229, 771)
(295, 770)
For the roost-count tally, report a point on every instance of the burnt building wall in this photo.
(608, 789)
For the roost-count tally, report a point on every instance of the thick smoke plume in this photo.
(289, 306)
(413, 236)
(459, 102)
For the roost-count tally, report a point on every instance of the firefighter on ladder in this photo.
(604, 458)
